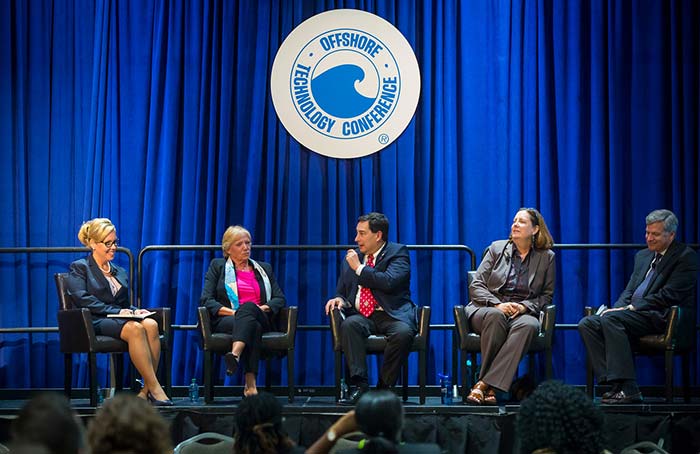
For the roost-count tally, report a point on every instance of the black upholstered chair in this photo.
(377, 344)
(275, 343)
(470, 342)
(77, 335)
(678, 339)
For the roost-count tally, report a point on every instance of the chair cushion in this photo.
(106, 344)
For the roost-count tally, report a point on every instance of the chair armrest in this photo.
(424, 321)
(673, 332)
(461, 324)
(336, 320)
(75, 329)
(548, 320)
(204, 323)
(292, 315)
(162, 316)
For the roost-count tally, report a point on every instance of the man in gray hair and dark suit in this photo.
(664, 275)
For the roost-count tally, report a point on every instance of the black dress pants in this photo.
(608, 339)
(354, 332)
(247, 325)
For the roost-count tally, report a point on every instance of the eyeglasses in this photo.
(109, 244)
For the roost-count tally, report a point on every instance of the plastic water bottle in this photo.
(343, 389)
(100, 396)
(445, 389)
(194, 391)
(470, 375)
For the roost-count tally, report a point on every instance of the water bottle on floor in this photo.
(194, 391)
(445, 389)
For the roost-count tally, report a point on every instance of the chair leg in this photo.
(685, 364)
(455, 355)
(338, 362)
(268, 374)
(208, 386)
(290, 374)
(119, 371)
(464, 373)
(548, 369)
(422, 366)
(404, 380)
(92, 364)
(589, 378)
(166, 365)
(67, 374)
(532, 366)
(669, 375)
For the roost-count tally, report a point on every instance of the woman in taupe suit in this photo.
(513, 284)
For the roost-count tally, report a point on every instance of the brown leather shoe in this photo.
(622, 398)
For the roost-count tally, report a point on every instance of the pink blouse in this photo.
(248, 288)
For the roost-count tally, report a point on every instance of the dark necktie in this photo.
(367, 301)
(639, 292)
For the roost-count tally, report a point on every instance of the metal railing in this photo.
(283, 247)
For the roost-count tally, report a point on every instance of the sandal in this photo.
(476, 395)
(490, 397)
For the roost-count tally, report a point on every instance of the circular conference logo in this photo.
(345, 83)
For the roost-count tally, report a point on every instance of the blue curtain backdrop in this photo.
(158, 115)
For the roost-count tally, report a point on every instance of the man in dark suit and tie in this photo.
(664, 275)
(373, 292)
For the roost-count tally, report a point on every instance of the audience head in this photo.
(560, 419)
(661, 229)
(536, 229)
(95, 231)
(47, 420)
(258, 426)
(127, 424)
(379, 415)
(233, 235)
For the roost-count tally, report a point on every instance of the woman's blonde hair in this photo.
(96, 230)
(231, 235)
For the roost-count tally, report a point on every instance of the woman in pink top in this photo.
(241, 296)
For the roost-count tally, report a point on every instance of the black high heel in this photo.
(231, 363)
(159, 403)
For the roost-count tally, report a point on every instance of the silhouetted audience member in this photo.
(127, 424)
(560, 419)
(379, 416)
(258, 427)
(48, 421)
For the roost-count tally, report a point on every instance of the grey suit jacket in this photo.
(493, 272)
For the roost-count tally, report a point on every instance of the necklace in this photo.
(108, 270)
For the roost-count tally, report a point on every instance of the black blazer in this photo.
(389, 280)
(673, 284)
(214, 295)
(87, 287)
(493, 273)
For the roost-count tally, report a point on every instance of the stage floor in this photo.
(456, 428)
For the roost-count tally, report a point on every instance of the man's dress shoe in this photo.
(353, 397)
(621, 398)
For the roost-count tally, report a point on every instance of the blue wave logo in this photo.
(334, 91)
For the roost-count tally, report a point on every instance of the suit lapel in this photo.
(532, 268)
(669, 257)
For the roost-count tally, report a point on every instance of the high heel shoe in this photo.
(159, 403)
(231, 363)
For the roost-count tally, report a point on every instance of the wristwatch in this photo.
(330, 435)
